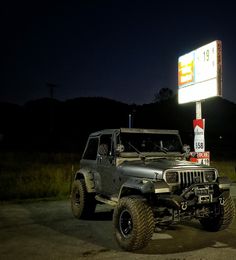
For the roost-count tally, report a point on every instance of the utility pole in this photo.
(51, 87)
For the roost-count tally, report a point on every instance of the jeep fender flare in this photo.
(136, 186)
(224, 183)
(88, 177)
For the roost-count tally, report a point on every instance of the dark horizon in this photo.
(174, 97)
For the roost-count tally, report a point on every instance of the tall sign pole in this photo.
(198, 110)
(199, 78)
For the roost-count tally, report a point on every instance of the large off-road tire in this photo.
(223, 220)
(133, 223)
(82, 203)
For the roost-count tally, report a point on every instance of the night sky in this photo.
(123, 50)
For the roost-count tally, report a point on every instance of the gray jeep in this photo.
(148, 179)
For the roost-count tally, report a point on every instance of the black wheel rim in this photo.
(125, 223)
(77, 198)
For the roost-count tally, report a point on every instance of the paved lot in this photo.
(47, 230)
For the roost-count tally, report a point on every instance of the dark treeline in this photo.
(49, 125)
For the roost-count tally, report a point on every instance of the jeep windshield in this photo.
(149, 144)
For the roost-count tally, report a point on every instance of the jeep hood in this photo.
(151, 168)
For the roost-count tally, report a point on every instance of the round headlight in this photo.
(210, 176)
(171, 177)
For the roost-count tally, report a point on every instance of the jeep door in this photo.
(105, 164)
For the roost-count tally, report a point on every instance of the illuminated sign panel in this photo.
(199, 73)
(186, 69)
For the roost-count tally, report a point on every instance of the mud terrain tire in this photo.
(223, 220)
(133, 223)
(82, 203)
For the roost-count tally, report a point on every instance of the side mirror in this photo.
(120, 148)
(186, 150)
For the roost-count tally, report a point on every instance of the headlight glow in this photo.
(172, 177)
(210, 176)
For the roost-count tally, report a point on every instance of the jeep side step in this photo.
(112, 202)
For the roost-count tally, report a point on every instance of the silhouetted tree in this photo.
(163, 95)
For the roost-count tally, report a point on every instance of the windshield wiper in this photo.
(162, 149)
(142, 156)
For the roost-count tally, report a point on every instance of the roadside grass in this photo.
(226, 168)
(36, 175)
(43, 175)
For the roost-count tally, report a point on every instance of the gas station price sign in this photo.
(199, 73)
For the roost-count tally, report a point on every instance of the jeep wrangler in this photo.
(146, 177)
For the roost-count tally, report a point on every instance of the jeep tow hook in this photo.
(184, 205)
(222, 201)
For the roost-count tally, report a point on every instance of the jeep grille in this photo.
(187, 178)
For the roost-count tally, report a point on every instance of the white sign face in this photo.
(199, 73)
(206, 62)
(199, 140)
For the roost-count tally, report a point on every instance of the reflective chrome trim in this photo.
(162, 190)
